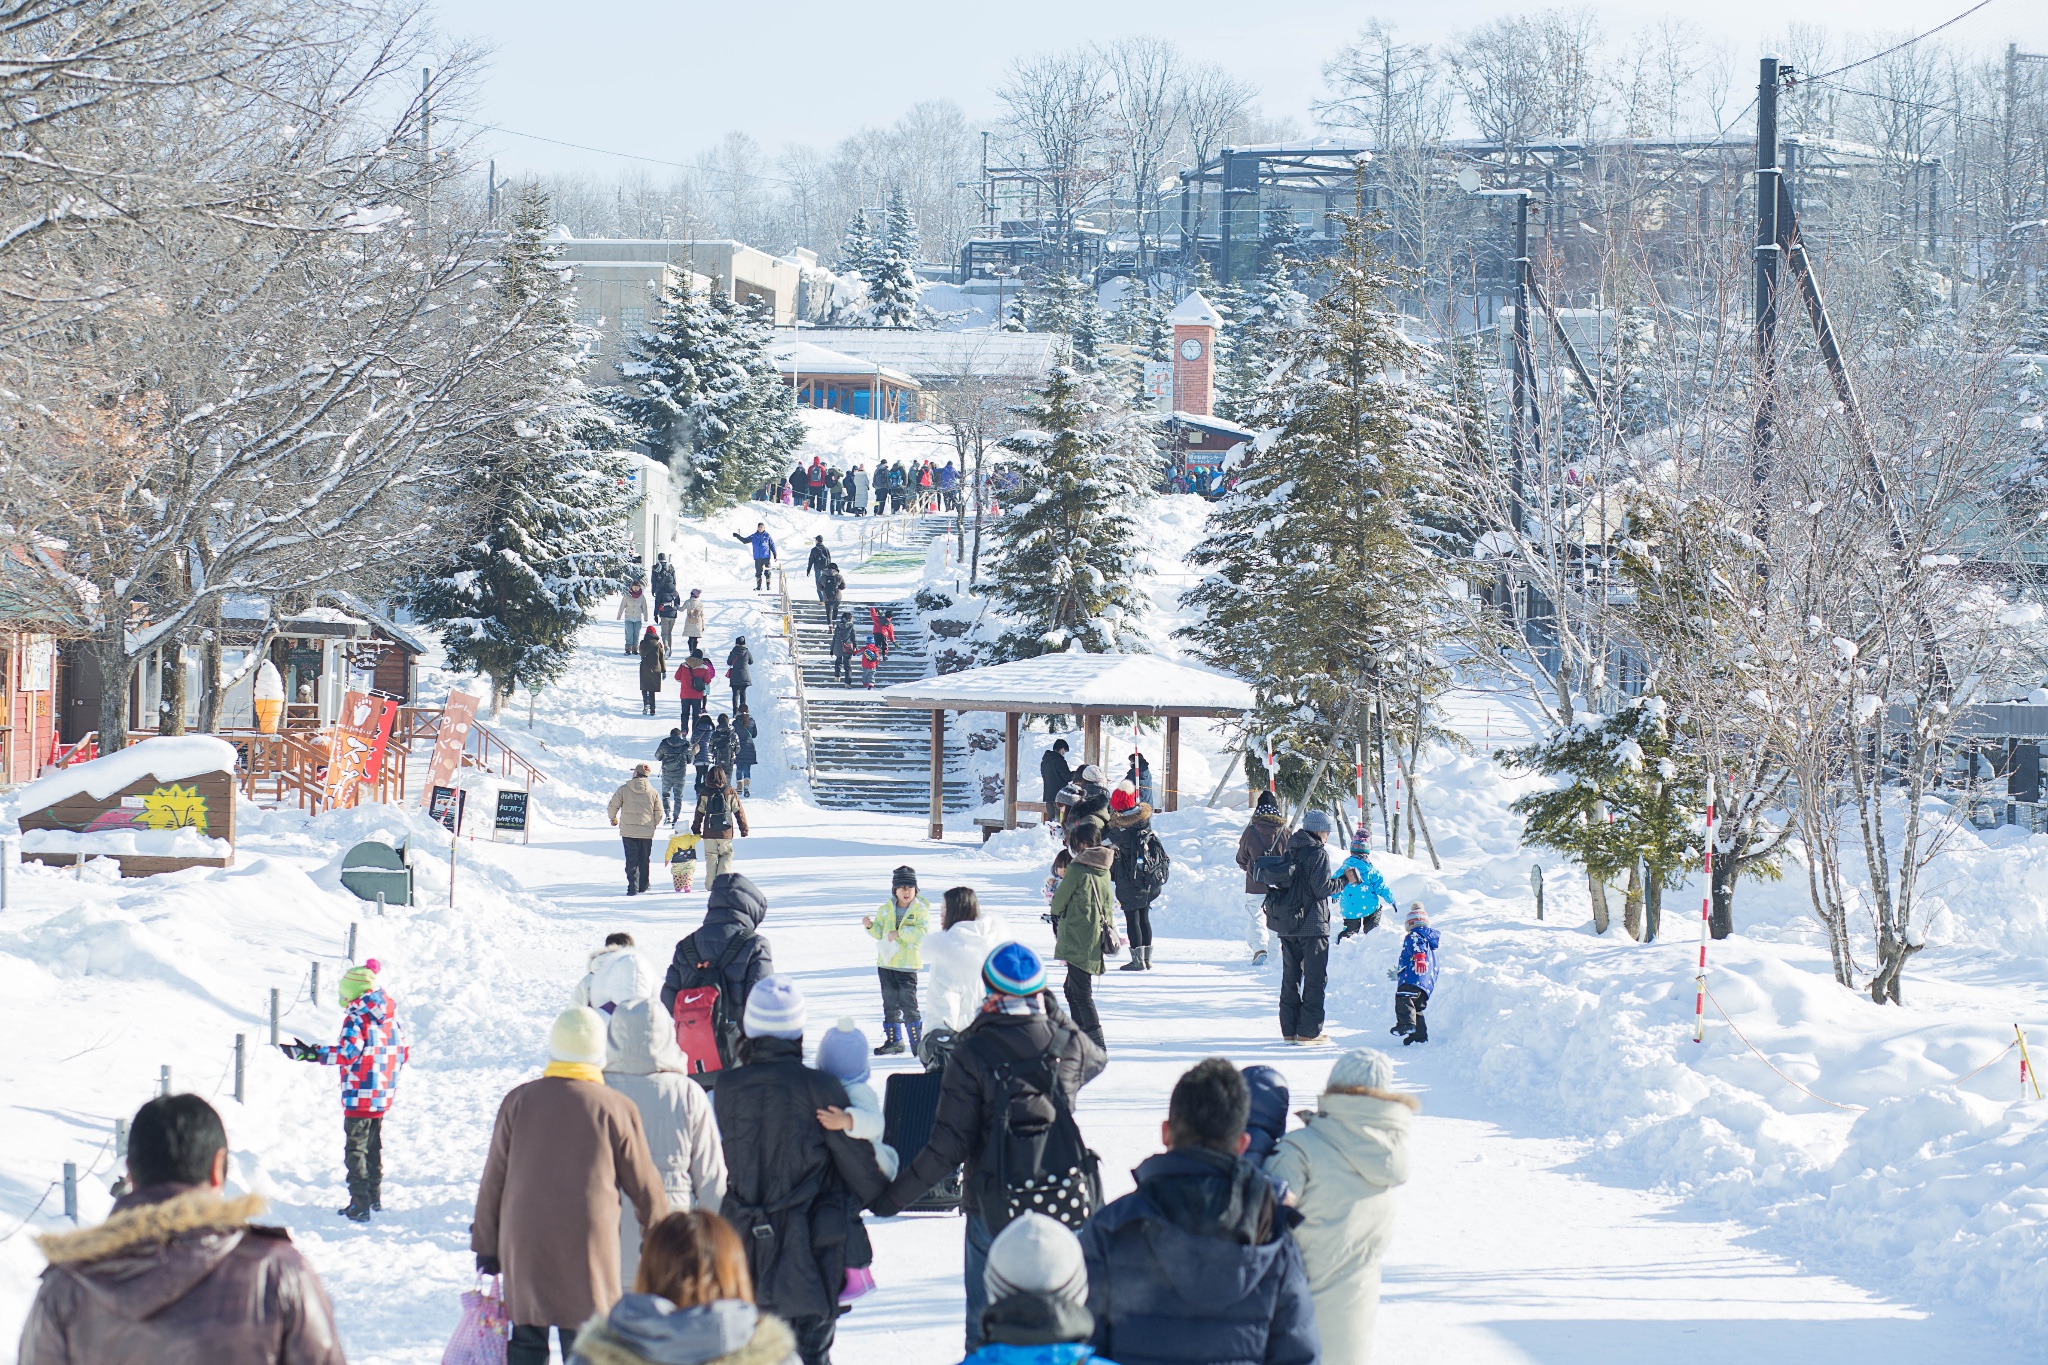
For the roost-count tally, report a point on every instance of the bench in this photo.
(991, 825)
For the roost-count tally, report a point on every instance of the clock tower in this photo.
(1195, 324)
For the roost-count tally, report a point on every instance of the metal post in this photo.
(315, 996)
(71, 1190)
(163, 1080)
(380, 905)
(351, 940)
(1518, 428)
(8, 857)
(241, 1065)
(1765, 269)
(938, 820)
(273, 1016)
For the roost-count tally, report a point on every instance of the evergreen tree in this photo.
(554, 493)
(1066, 304)
(1317, 587)
(1261, 316)
(1068, 568)
(857, 253)
(704, 397)
(892, 273)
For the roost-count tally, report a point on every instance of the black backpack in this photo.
(1154, 867)
(717, 806)
(1031, 1166)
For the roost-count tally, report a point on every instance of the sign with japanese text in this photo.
(449, 742)
(357, 747)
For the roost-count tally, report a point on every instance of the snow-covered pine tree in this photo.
(1257, 326)
(857, 252)
(703, 395)
(1067, 304)
(553, 491)
(892, 278)
(1070, 561)
(1317, 587)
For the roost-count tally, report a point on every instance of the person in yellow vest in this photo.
(898, 927)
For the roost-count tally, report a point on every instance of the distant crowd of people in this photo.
(919, 486)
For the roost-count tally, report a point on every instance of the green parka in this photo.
(1082, 907)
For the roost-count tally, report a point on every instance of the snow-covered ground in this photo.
(1590, 1185)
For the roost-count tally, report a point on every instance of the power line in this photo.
(1900, 47)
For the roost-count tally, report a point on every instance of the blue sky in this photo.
(665, 80)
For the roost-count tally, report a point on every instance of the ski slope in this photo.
(1589, 1185)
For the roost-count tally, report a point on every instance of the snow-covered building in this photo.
(935, 359)
(839, 382)
(620, 281)
(37, 610)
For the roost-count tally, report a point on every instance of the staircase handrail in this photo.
(492, 751)
(796, 670)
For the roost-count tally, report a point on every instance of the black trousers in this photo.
(693, 707)
(1080, 993)
(1409, 1004)
(529, 1345)
(638, 851)
(647, 701)
(739, 696)
(1304, 971)
(844, 663)
(813, 1338)
(362, 1145)
(1138, 924)
(899, 996)
(761, 572)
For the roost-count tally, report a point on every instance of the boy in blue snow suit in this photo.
(1416, 978)
(1359, 900)
(369, 1053)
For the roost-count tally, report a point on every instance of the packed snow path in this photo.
(1504, 1250)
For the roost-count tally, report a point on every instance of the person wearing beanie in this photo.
(1342, 1167)
(1138, 874)
(1415, 979)
(1265, 835)
(1083, 913)
(1086, 800)
(1299, 915)
(843, 1055)
(556, 1240)
(898, 927)
(794, 1174)
(739, 671)
(1359, 901)
(653, 666)
(727, 952)
(369, 1052)
(1017, 1041)
(1267, 1121)
(1037, 1285)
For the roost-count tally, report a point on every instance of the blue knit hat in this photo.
(775, 1009)
(843, 1052)
(1361, 841)
(1013, 969)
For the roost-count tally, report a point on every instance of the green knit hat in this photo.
(358, 981)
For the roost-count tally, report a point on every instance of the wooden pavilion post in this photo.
(938, 773)
(1010, 741)
(1091, 746)
(1173, 763)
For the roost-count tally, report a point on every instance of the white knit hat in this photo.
(775, 1009)
(1036, 1255)
(579, 1035)
(1363, 1068)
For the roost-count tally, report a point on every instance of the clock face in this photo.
(1191, 349)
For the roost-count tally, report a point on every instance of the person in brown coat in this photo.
(1265, 835)
(636, 809)
(563, 1150)
(178, 1275)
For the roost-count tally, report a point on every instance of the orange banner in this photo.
(357, 745)
(449, 742)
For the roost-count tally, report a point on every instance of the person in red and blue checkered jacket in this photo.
(369, 1053)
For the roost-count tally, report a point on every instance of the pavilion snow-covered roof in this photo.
(804, 358)
(1073, 683)
(979, 353)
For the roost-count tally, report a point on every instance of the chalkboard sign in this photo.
(512, 810)
(445, 806)
(305, 660)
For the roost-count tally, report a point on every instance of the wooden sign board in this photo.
(205, 803)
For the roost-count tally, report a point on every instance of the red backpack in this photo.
(707, 1029)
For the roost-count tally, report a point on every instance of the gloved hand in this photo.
(299, 1050)
(487, 1265)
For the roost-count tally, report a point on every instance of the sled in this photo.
(910, 1103)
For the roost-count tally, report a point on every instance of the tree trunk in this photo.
(1892, 953)
(1416, 819)
(1653, 907)
(116, 668)
(170, 712)
(980, 506)
(1597, 890)
(500, 689)
(1721, 918)
(1632, 905)
(209, 677)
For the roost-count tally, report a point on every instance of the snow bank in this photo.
(185, 842)
(171, 758)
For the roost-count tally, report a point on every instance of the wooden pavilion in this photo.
(1086, 686)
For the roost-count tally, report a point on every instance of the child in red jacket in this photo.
(371, 1049)
(870, 660)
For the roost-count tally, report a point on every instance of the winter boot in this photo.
(358, 1207)
(1137, 962)
(1351, 926)
(892, 1044)
(916, 1028)
(1148, 957)
(1421, 1031)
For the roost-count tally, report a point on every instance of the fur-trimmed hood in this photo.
(1140, 814)
(154, 1214)
(1095, 859)
(638, 1332)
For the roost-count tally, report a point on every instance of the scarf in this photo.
(576, 1071)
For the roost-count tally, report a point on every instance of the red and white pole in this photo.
(1699, 1004)
(1358, 771)
(1269, 764)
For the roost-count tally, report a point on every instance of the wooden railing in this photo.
(796, 671)
(292, 765)
(486, 748)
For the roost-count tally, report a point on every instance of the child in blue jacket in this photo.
(1416, 978)
(1360, 900)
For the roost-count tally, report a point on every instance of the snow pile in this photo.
(170, 758)
(184, 842)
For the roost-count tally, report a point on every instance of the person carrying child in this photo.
(682, 858)
(1416, 979)
(870, 658)
(843, 1055)
(898, 927)
(370, 1051)
(1359, 901)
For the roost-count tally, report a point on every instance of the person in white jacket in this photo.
(1342, 1168)
(643, 1063)
(954, 953)
(617, 974)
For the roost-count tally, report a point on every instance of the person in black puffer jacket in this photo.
(1019, 1021)
(732, 921)
(791, 1183)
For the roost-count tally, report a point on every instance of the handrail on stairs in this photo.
(796, 670)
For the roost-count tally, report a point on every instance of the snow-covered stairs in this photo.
(870, 756)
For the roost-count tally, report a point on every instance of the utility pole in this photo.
(1763, 431)
(491, 195)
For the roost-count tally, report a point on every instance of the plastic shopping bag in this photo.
(482, 1331)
